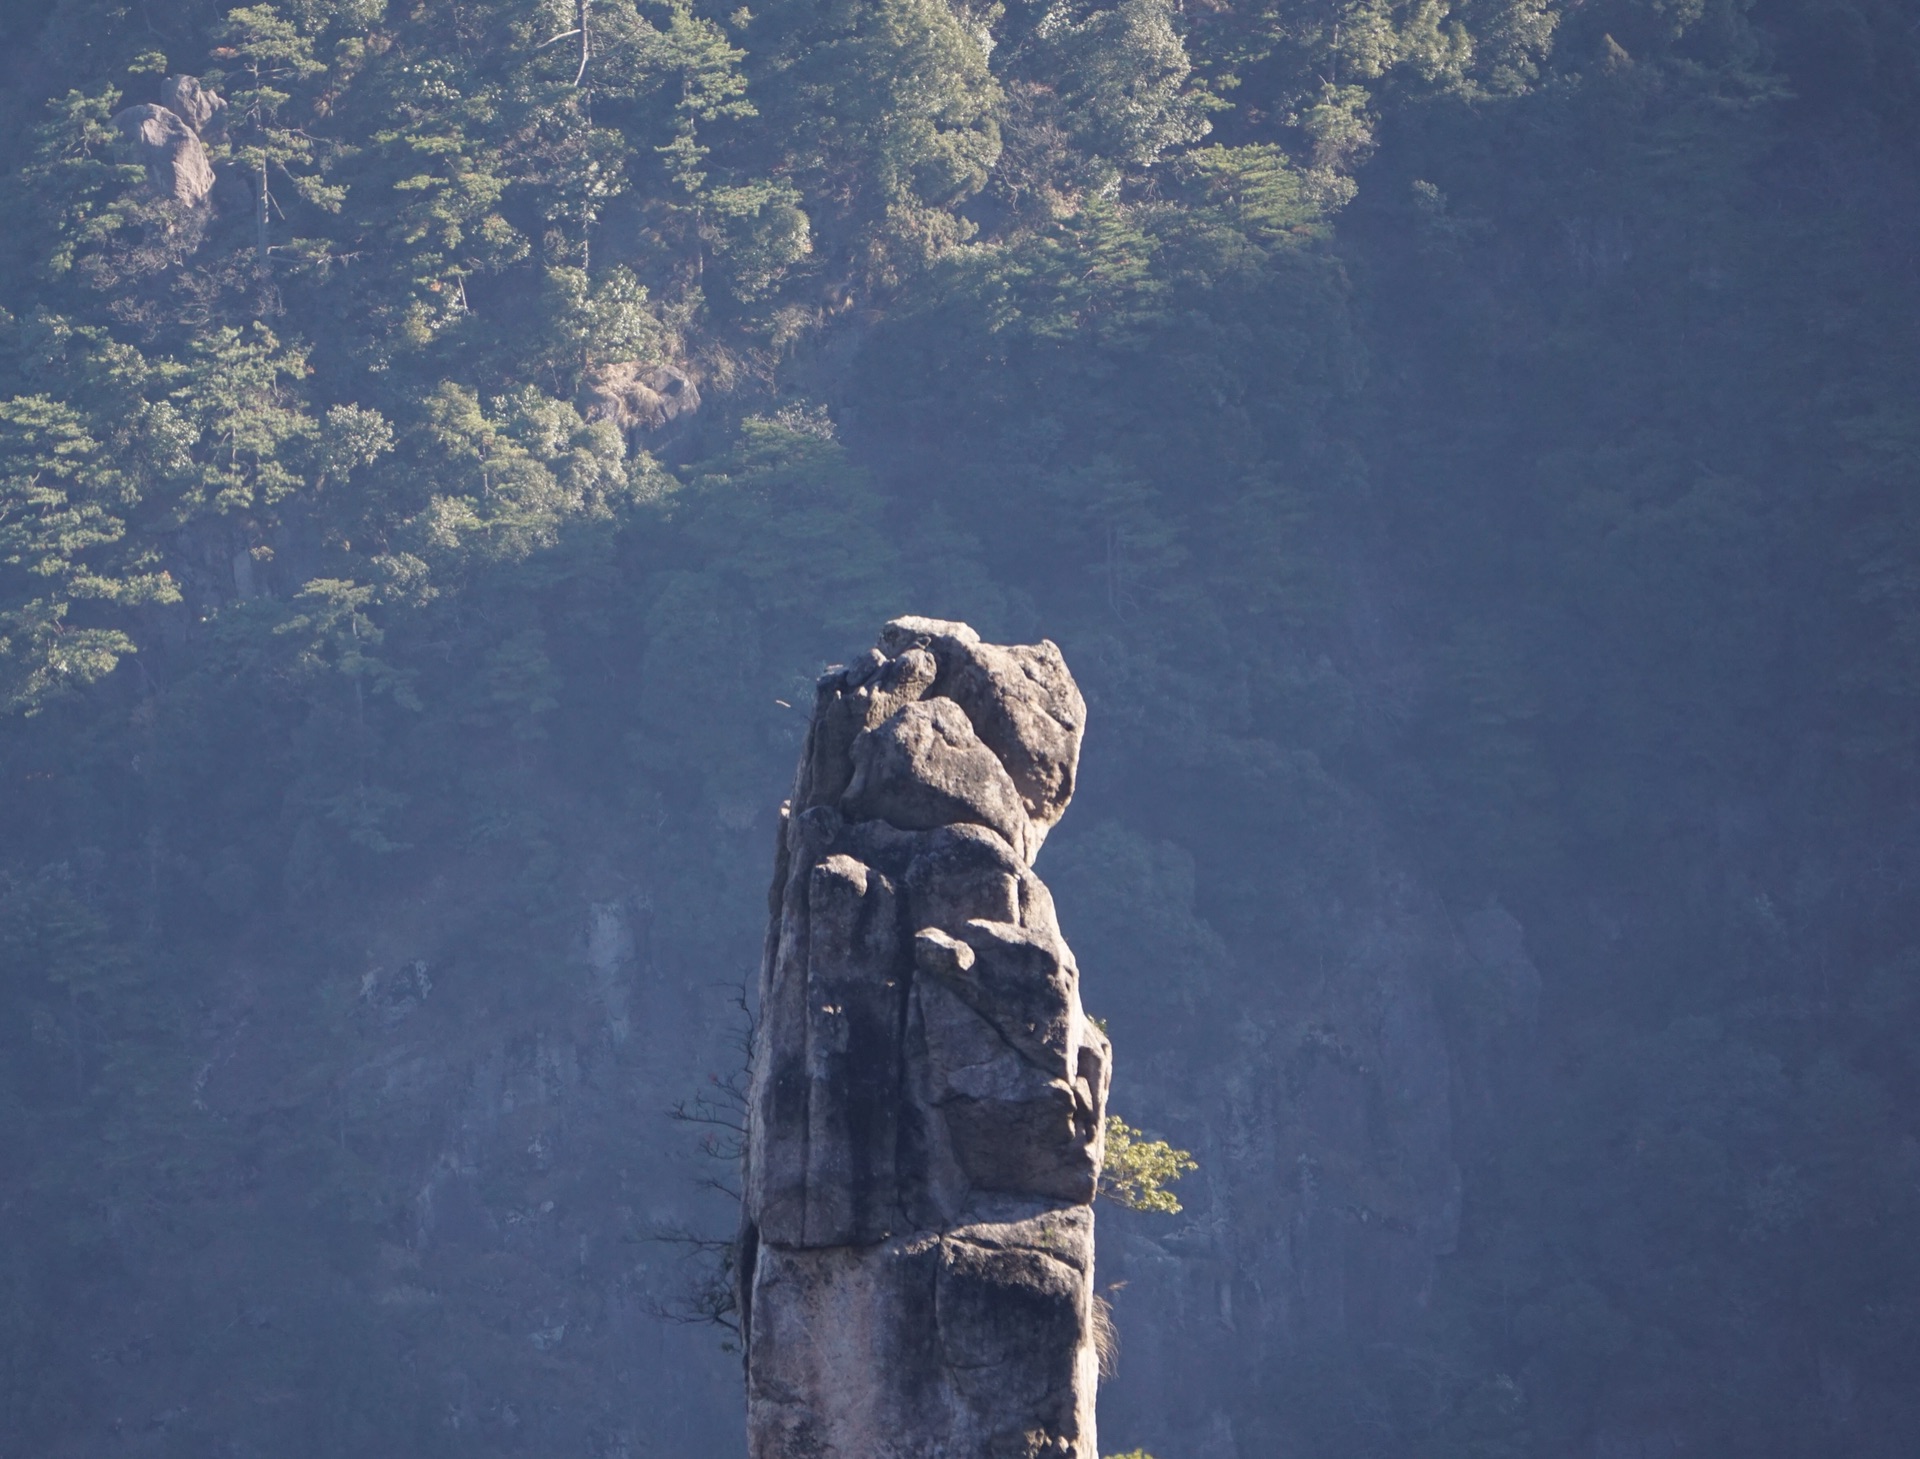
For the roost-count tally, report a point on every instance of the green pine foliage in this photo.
(1138, 1172)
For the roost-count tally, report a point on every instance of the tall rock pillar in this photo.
(928, 1099)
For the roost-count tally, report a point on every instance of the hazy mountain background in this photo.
(1469, 455)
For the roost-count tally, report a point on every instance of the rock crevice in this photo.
(928, 1098)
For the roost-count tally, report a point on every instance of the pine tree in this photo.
(267, 53)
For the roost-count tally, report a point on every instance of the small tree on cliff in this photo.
(1137, 1171)
(268, 53)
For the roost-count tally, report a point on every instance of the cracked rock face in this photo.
(928, 1098)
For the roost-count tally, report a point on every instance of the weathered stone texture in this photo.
(928, 1102)
(176, 162)
(198, 105)
(638, 397)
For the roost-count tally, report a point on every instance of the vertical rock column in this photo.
(928, 1099)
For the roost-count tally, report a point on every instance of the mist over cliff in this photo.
(1465, 452)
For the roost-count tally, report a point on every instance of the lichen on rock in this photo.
(928, 1106)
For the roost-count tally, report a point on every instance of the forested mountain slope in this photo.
(1468, 455)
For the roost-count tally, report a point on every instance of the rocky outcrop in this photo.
(176, 161)
(638, 397)
(928, 1098)
(200, 107)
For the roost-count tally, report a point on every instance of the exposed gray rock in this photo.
(200, 107)
(638, 397)
(923, 767)
(1022, 701)
(928, 1100)
(175, 160)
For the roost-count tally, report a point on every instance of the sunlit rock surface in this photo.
(928, 1096)
(176, 162)
(196, 104)
(638, 397)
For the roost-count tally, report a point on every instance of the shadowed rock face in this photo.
(928, 1098)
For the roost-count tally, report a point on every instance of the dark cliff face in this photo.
(1333, 1116)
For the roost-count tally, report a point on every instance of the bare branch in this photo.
(708, 1298)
